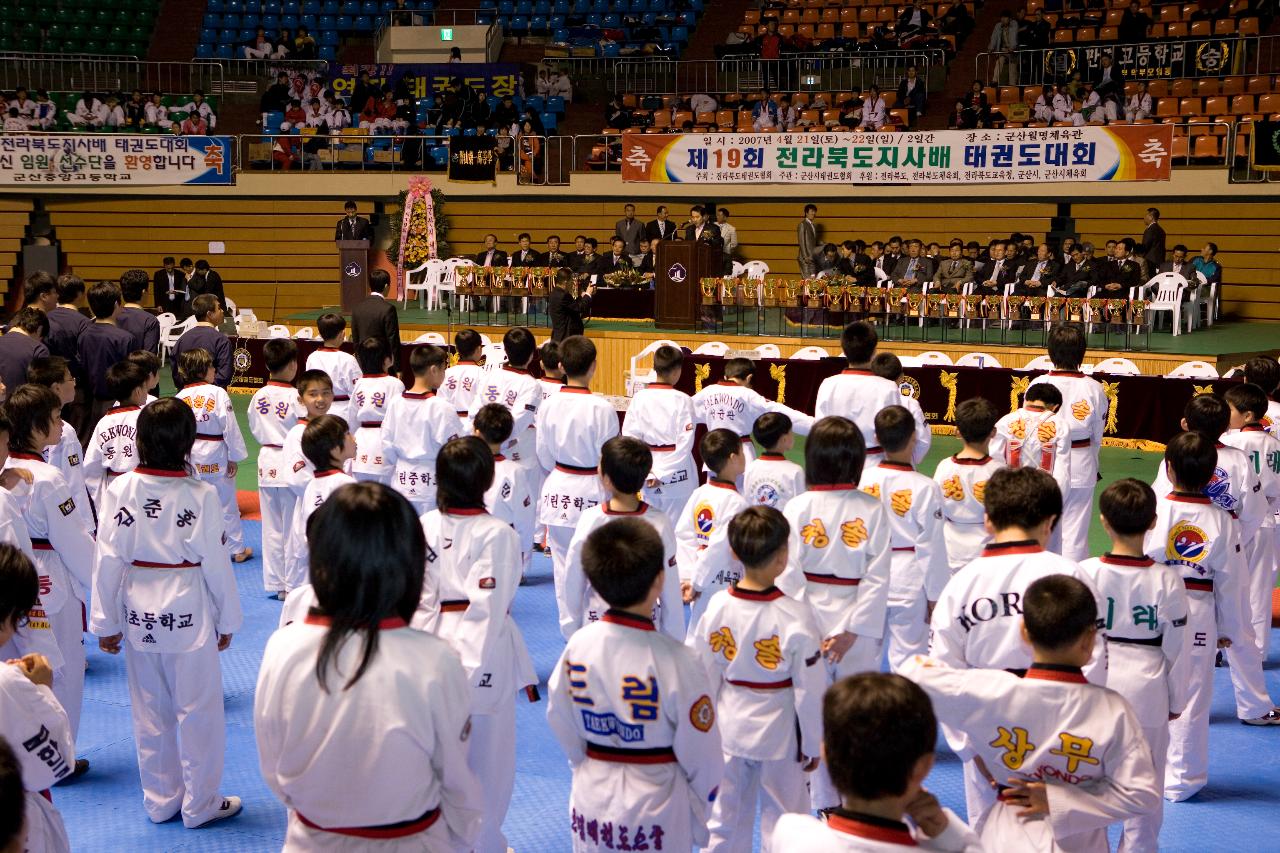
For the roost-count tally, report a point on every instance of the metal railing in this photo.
(805, 72)
(554, 162)
(364, 152)
(108, 74)
(8, 55)
(1145, 61)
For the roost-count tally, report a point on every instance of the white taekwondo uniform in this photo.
(343, 370)
(218, 443)
(511, 499)
(112, 450)
(459, 387)
(68, 457)
(416, 426)
(370, 398)
(38, 731)
(632, 710)
(297, 565)
(273, 412)
(37, 635)
(772, 480)
(663, 417)
(964, 483)
(703, 555)
(849, 832)
(1262, 450)
(728, 405)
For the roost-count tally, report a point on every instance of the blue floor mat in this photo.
(103, 811)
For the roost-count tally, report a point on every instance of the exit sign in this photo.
(446, 34)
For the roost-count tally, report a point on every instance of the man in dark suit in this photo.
(553, 257)
(1123, 273)
(630, 229)
(568, 312)
(170, 288)
(588, 263)
(1152, 247)
(616, 261)
(1038, 275)
(525, 256)
(954, 272)
(998, 274)
(491, 255)
(661, 227)
(134, 319)
(352, 227)
(1075, 279)
(23, 342)
(701, 228)
(913, 270)
(1180, 264)
(207, 280)
(375, 317)
(1109, 84)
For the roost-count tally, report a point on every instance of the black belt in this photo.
(1082, 442)
(401, 829)
(575, 469)
(41, 544)
(762, 685)
(621, 755)
(455, 605)
(1134, 641)
(1194, 584)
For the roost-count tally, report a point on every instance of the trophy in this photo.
(792, 289)
(466, 281)
(953, 304)
(972, 305)
(914, 302)
(1138, 307)
(933, 301)
(1093, 309)
(541, 280)
(1075, 311)
(708, 286)
(1037, 306)
(770, 297)
(1013, 307)
(1116, 310)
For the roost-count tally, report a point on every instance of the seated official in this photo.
(616, 260)
(955, 272)
(490, 255)
(526, 256)
(914, 269)
(1122, 274)
(998, 273)
(553, 257)
(588, 263)
(1038, 275)
(649, 259)
(1075, 278)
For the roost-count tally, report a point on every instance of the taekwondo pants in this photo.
(1139, 674)
(68, 633)
(232, 531)
(1077, 507)
(277, 505)
(491, 751)
(300, 838)
(46, 832)
(1187, 770)
(779, 785)
(558, 539)
(1245, 658)
(864, 656)
(906, 623)
(180, 730)
(1262, 555)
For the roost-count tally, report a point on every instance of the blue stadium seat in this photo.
(470, 131)
(488, 4)
(689, 19)
(560, 35)
(372, 8)
(250, 20)
(204, 50)
(342, 23)
(271, 23)
(555, 104)
(440, 155)
(542, 7)
(351, 7)
(311, 22)
(225, 51)
(215, 6)
(246, 36)
(560, 7)
(484, 17)
(506, 8)
(612, 50)
(271, 7)
(331, 7)
(211, 21)
(612, 21)
(680, 34)
(271, 121)
(328, 53)
(362, 23)
(325, 22)
(231, 21)
(581, 7)
(518, 24)
(289, 20)
(208, 36)
(538, 25)
(228, 36)
(311, 7)
(291, 7)
(524, 8)
(236, 6)
(555, 22)
(329, 37)
(537, 102)
(548, 121)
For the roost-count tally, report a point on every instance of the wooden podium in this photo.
(680, 265)
(353, 271)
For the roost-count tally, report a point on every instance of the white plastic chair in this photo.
(458, 270)
(909, 360)
(495, 355)
(769, 351)
(712, 348)
(1204, 296)
(231, 307)
(810, 354)
(1193, 370)
(432, 272)
(167, 321)
(307, 334)
(430, 338)
(170, 339)
(739, 269)
(278, 332)
(881, 276)
(636, 380)
(1117, 365)
(933, 356)
(1168, 298)
(1040, 362)
(756, 271)
(484, 339)
(978, 359)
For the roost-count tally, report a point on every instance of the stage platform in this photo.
(1226, 344)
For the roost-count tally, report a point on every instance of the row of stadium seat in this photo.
(107, 27)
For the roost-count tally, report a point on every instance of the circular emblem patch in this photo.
(351, 270)
(705, 518)
(1187, 543)
(766, 495)
(241, 360)
(909, 387)
(703, 714)
(677, 273)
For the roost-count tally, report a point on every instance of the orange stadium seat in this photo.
(849, 31)
(1158, 88)
(1232, 86)
(1063, 36)
(1208, 87)
(1242, 105)
(791, 16)
(1217, 106)
(1269, 103)
(1176, 31)
(826, 31)
(1201, 29)
(1170, 14)
(1224, 27)
(1207, 147)
(1190, 106)
(830, 16)
(751, 16)
(809, 16)
(1086, 34)
(1166, 106)
(1114, 17)
(1182, 88)
(1248, 26)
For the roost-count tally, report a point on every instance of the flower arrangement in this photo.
(417, 241)
(624, 278)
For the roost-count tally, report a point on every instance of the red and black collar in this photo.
(1255, 427)
(660, 385)
(574, 389)
(119, 409)
(327, 472)
(1066, 373)
(315, 618)
(770, 594)
(1126, 560)
(158, 472)
(511, 369)
(722, 484)
(25, 454)
(278, 384)
(640, 510)
(856, 371)
(832, 487)
(964, 460)
(466, 510)
(1019, 546)
(1056, 672)
(628, 620)
(776, 457)
(418, 395)
(1188, 498)
(897, 466)
(871, 827)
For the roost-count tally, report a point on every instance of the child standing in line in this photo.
(162, 576)
(219, 446)
(662, 417)
(510, 498)
(371, 396)
(273, 412)
(732, 404)
(463, 379)
(772, 479)
(1036, 435)
(761, 650)
(149, 362)
(913, 508)
(416, 426)
(473, 572)
(1145, 621)
(703, 556)
(113, 446)
(625, 462)
(341, 366)
(550, 382)
(328, 446)
(514, 387)
(889, 366)
(571, 428)
(857, 392)
(54, 373)
(963, 480)
(632, 709)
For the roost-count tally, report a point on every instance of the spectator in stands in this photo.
(170, 288)
(1038, 275)
(851, 109)
(284, 44)
(560, 86)
(1109, 84)
(912, 94)
(375, 316)
(25, 106)
(401, 16)
(277, 97)
(199, 106)
(788, 115)
(874, 110)
(957, 271)
(14, 123)
(46, 112)
(23, 342)
(542, 81)
(491, 255)
(156, 114)
(701, 102)
(135, 111)
(380, 116)
(1139, 105)
(1042, 108)
(1003, 43)
(103, 345)
(207, 280)
(629, 229)
(1034, 34)
(616, 116)
(566, 310)
(1207, 263)
(193, 125)
(90, 112)
(295, 116)
(765, 114)
(661, 227)
(304, 45)
(1133, 24)
(206, 335)
(141, 324)
(259, 47)
(1153, 239)
(1093, 107)
(956, 21)
(1000, 273)
(455, 56)
(115, 113)
(365, 91)
(769, 46)
(529, 148)
(534, 121)
(1076, 277)
(339, 116)
(913, 20)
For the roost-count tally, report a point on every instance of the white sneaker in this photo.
(230, 808)
(1271, 718)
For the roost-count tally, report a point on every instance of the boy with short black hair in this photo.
(113, 446)
(514, 387)
(54, 373)
(733, 404)
(102, 344)
(594, 689)
(510, 498)
(1264, 371)
(963, 480)
(133, 318)
(372, 394)
(463, 379)
(857, 392)
(328, 446)
(772, 479)
(342, 367)
(1145, 621)
(1067, 756)
(314, 397)
(1247, 405)
(879, 734)
(703, 556)
(662, 416)
(761, 649)
(417, 424)
(1202, 541)
(913, 510)
(1084, 408)
(889, 366)
(273, 412)
(624, 464)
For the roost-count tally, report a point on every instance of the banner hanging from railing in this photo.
(493, 78)
(1025, 155)
(1159, 60)
(85, 159)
